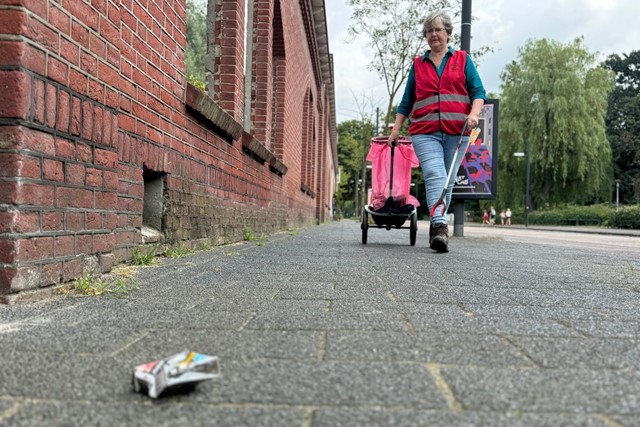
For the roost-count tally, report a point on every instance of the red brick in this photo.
(36, 248)
(87, 120)
(109, 221)
(64, 246)
(51, 97)
(64, 111)
(78, 81)
(76, 116)
(7, 276)
(83, 12)
(51, 273)
(74, 221)
(71, 269)
(15, 221)
(80, 34)
(26, 193)
(70, 51)
(52, 170)
(21, 54)
(110, 180)
(89, 63)
(38, 105)
(15, 94)
(97, 45)
(84, 244)
(59, 18)
(52, 221)
(101, 6)
(74, 198)
(84, 153)
(94, 177)
(104, 243)
(13, 22)
(97, 124)
(96, 91)
(8, 250)
(93, 221)
(106, 200)
(106, 158)
(15, 165)
(57, 71)
(75, 173)
(106, 262)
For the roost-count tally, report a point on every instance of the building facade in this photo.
(105, 146)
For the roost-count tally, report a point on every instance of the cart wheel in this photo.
(364, 226)
(413, 231)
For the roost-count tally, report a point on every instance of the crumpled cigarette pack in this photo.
(180, 371)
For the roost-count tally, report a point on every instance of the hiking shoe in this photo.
(440, 240)
(431, 233)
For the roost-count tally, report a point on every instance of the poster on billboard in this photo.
(476, 177)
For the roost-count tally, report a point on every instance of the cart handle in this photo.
(404, 140)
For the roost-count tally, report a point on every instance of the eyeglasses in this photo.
(435, 30)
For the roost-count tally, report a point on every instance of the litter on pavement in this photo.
(180, 371)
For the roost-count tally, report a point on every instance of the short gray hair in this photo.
(444, 17)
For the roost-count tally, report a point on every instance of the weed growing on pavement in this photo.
(249, 235)
(141, 258)
(178, 251)
(88, 285)
(293, 231)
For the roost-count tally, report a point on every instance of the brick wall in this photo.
(93, 95)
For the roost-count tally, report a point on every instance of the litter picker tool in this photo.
(441, 201)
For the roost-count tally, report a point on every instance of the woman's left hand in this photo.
(473, 120)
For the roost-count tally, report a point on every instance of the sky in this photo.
(608, 26)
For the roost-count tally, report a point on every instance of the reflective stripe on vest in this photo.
(436, 99)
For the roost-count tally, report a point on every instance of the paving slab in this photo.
(316, 329)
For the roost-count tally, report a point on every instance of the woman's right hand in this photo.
(394, 136)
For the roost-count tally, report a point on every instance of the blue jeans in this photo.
(435, 152)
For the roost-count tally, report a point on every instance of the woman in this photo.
(443, 90)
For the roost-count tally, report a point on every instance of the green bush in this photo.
(573, 215)
(626, 217)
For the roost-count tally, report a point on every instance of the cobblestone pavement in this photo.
(315, 329)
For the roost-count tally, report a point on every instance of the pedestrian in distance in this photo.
(492, 215)
(503, 217)
(443, 91)
(485, 217)
(508, 214)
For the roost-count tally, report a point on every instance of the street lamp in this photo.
(617, 193)
(526, 202)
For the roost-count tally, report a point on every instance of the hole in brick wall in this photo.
(153, 202)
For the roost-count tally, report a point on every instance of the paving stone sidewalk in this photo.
(316, 329)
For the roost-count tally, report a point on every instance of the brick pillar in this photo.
(228, 81)
(262, 71)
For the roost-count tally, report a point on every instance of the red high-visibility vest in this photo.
(442, 103)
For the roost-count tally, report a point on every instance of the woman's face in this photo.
(437, 36)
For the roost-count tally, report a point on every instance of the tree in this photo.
(196, 50)
(394, 30)
(556, 97)
(353, 142)
(623, 123)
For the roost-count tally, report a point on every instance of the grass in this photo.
(88, 285)
(249, 235)
(178, 251)
(140, 258)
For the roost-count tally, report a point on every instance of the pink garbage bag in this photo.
(404, 160)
